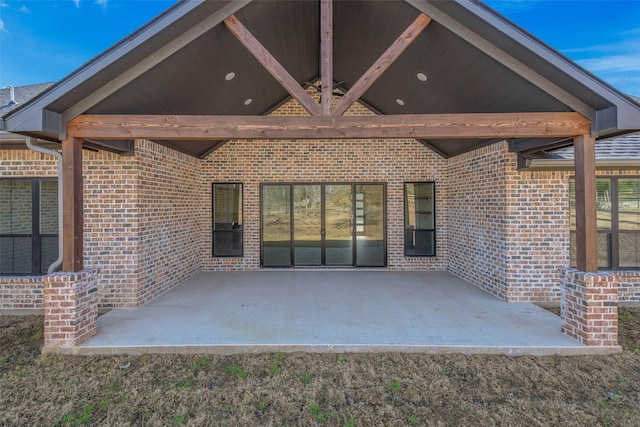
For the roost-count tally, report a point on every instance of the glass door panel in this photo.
(307, 224)
(276, 225)
(370, 225)
(323, 224)
(338, 214)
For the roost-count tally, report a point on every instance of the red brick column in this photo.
(589, 307)
(70, 309)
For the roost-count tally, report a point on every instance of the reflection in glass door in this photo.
(370, 225)
(323, 224)
(338, 214)
(276, 225)
(307, 225)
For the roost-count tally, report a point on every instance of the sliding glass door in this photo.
(338, 218)
(323, 225)
(276, 225)
(307, 225)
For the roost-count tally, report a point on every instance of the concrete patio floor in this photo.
(330, 311)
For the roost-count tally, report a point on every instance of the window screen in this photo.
(28, 226)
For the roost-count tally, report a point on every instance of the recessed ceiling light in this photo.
(230, 76)
(422, 77)
(399, 101)
(248, 101)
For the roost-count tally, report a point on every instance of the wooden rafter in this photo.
(272, 65)
(382, 63)
(426, 126)
(326, 56)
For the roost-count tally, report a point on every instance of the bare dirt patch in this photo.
(302, 389)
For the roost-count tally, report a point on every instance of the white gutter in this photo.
(31, 144)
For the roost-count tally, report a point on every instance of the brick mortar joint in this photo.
(599, 276)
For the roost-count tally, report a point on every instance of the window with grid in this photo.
(618, 219)
(227, 219)
(419, 219)
(28, 226)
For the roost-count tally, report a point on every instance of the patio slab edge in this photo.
(231, 349)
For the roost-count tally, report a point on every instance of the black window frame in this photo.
(355, 263)
(237, 231)
(409, 234)
(37, 267)
(612, 235)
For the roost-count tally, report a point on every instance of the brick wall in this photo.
(141, 222)
(148, 217)
(478, 215)
(21, 292)
(629, 287)
(111, 232)
(537, 233)
(70, 309)
(350, 161)
(169, 224)
(589, 307)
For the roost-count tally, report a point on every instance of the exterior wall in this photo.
(391, 162)
(70, 309)
(141, 219)
(589, 307)
(478, 217)
(20, 292)
(148, 217)
(141, 222)
(111, 233)
(168, 217)
(509, 232)
(629, 287)
(537, 233)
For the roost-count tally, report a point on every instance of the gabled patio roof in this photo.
(467, 60)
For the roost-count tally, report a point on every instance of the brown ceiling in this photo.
(460, 77)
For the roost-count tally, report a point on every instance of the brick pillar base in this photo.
(589, 307)
(70, 309)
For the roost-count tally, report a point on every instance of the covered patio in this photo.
(252, 93)
(331, 311)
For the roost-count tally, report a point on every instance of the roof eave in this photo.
(625, 114)
(29, 117)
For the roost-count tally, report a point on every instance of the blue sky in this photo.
(44, 40)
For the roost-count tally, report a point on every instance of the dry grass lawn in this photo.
(315, 389)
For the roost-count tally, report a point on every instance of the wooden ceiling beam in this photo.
(426, 126)
(382, 64)
(326, 56)
(271, 64)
